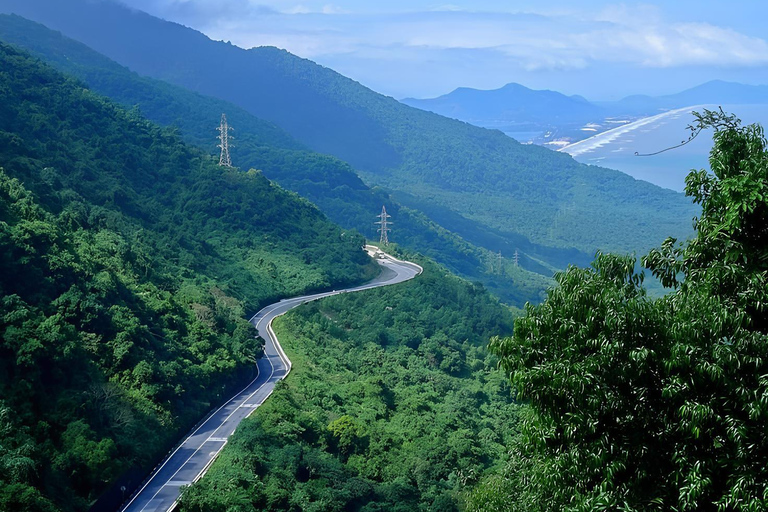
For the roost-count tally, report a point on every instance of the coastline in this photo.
(608, 136)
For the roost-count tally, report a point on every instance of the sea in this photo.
(640, 148)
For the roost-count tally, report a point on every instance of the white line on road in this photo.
(401, 275)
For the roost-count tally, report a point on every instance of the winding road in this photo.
(189, 462)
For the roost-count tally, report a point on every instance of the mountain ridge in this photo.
(480, 174)
(512, 105)
(714, 92)
(331, 184)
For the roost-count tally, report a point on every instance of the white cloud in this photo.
(325, 9)
(447, 7)
(334, 9)
(440, 34)
(622, 14)
(619, 33)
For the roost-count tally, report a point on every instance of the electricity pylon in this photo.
(384, 226)
(224, 138)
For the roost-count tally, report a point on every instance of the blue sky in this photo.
(599, 49)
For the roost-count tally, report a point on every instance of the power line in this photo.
(224, 138)
(384, 228)
(683, 143)
(709, 119)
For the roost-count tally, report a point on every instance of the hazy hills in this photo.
(716, 92)
(515, 108)
(484, 176)
(511, 108)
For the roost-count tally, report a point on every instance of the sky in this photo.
(419, 48)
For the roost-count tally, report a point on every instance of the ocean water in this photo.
(616, 148)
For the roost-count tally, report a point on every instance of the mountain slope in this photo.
(325, 180)
(482, 175)
(129, 263)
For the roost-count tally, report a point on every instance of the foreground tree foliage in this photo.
(641, 404)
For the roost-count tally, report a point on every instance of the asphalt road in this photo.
(193, 456)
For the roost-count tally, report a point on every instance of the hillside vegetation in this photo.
(652, 404)
(130, 262)
(394, 404)
(486, 177)
(325, 180)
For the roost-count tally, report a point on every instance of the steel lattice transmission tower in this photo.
(384, 226)
(224, 138)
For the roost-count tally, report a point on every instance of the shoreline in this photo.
(608, 136)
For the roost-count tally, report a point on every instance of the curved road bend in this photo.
(196, 453)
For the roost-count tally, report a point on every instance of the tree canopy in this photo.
(394, 404)
(129, 263)
(653, 404)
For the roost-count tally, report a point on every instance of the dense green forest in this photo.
(394, 404)
(326, 181)
(500, 185)
(130, 261)
(641, 404)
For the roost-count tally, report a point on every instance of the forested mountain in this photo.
(513, 189)
(129, 261)
(511, 108)
(326, 181)
(394, 404)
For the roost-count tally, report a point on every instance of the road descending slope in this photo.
(196, 453)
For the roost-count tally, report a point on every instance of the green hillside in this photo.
(130, 261)
(326, 181)
(484, 176)
(394, 404)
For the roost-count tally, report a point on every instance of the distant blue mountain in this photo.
(510, 106)
(517, 108)
(716, 92)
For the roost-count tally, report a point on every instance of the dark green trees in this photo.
(393, 404)
(640, 404)
(128, 263)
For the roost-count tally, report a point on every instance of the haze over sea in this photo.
(616, 149)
